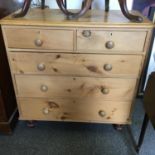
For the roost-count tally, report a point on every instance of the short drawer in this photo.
(86, 110)
(75, 87)
(76, 64)
(110, 41)
(37, 38)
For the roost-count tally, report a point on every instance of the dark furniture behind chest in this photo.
(8, 108)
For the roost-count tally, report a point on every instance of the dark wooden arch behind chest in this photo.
(86, 5)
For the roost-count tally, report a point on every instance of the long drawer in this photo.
(87, 110)
(37, 38)
(75, 87)
(98, 41)
(76, 64)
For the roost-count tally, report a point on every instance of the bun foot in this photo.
(118, 127)
(30, 124)
(137, 149)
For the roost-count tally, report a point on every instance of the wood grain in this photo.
(22, 37)
(93, 18)
(71, 83)
(123, 40)
(75, 110)
(75, 87)
(75, 64)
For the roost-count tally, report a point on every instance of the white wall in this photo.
(97, 4)
(151, 67)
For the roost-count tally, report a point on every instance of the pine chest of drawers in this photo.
(85, 70)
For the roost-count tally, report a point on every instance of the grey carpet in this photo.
(50, 138)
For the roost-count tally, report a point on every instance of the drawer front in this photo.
(75, 87)
(29, 38)
(75, 110)
(76, 64)
(110, 41)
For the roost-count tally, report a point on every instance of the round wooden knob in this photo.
(41, 67)
(86, 33)
(46, 111)
(38, 42)
(107, 67)
(102, 113)
(44, 88)
(109, 44)
(105, 90)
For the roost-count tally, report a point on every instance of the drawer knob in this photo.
(86, 33)
(109, 44)
(105, 90)
(107, 67)
(46, 111)
(102, 113)
(44, 88)
(41, 67)
(38, 42)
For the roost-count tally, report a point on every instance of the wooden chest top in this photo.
(93, 18)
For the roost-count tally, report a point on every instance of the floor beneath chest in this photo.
(50, 138)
